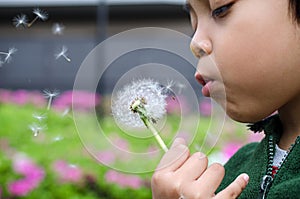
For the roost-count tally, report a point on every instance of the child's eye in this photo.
(221, 11)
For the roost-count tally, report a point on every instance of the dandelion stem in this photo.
(3, 53)
(138, 107)
(155, 133)
(67, 58)
(34, 20)
(49, 103)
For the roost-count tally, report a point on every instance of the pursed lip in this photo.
(203, 80)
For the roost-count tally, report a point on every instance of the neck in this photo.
(290, 118)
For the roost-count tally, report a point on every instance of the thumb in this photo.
(235, 188)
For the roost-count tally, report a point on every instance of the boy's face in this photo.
(255, 46)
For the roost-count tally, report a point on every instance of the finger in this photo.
(235, 188)
(175, 156)
(193, 167)
(210, 180)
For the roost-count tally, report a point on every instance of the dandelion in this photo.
(20, 21)
(50, 95)
(141, 103)
(40, 14)
(8, 55)
(36, 129)
(58, 29)
(63, 53)
(39, 117)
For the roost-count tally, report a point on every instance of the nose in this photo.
(200, 45)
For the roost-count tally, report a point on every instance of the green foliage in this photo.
(16, 137)
(60, 141)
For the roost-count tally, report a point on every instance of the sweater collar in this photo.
(270, 126)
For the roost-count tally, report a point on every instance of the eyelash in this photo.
(221, 11)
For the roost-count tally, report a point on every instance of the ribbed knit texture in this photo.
(252, 159)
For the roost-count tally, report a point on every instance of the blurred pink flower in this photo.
(22, 97)
(81, 100)
(37, 99)
(67, 172)
(124, 180)
(255, 137)
(25, 166)
(20, 187)
(106, 157)
(230, 149)
(121, 143)
(177, 105)
(33, 175)
(5, 96)
(205, 108)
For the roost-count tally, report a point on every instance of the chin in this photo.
(246, 116)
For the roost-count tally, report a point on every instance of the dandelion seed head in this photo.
(58, 29)
(20, 20)
(149, 92)
(43, 15)
(50, 94)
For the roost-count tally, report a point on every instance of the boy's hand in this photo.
(185, 176)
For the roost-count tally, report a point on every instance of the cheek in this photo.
(254, 62)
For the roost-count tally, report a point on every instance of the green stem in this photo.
(155, 133)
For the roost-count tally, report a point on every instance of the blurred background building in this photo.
(86, 23)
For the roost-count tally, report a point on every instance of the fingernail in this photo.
(176, 142)
(181, 146)
(201, 155)
(246, 178)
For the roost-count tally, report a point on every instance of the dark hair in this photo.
(294, 7)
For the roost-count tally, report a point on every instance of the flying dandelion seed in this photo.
(140, 103)
(57, 138)
(58, 29)
(36, 129)
(39, 117)
(20, 21)
(40, 14)
(50, 95)
(63, 53)
(167, 90)
(11, 51)
(8, 55)
(180, 87)
(65, 112)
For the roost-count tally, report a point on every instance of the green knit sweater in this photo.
(253, 160)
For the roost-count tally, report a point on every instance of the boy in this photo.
(255, 46)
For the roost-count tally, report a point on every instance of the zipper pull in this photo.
(266, 182)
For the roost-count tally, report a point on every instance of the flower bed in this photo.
(54, 163)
